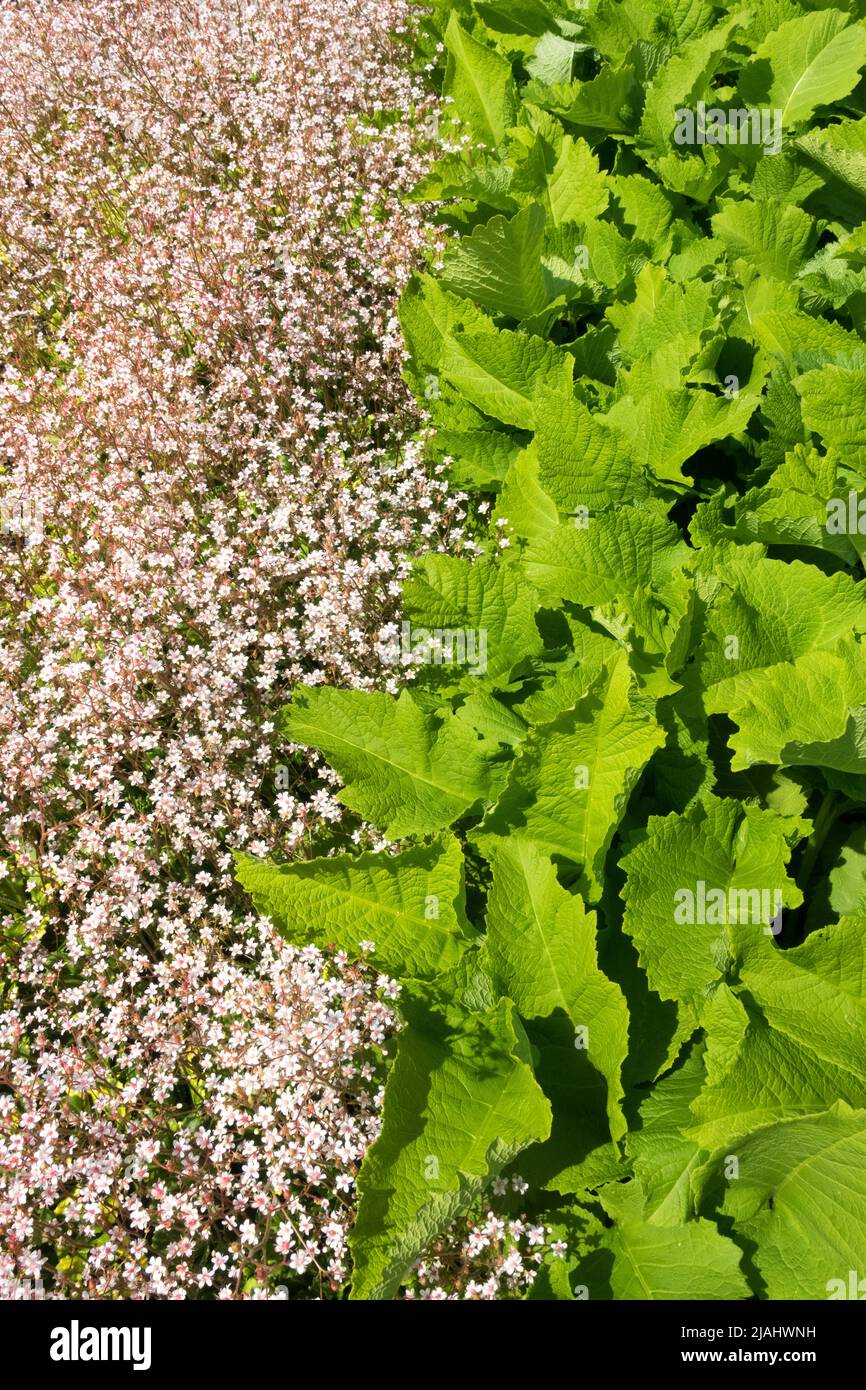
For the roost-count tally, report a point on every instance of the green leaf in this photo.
(790, 335)
(504, 374)
(582, 462)
(499, 265)
(662, 314)
(410, 905)
(576, 190)
(763, 612)
(671, 1263)
(647, 208)
(800, 1200)
(609, 102)
(569, 684)
(834, 406)
(492, 600)
(776, 240)
(806, 713)
(840, 150)
(542, 951)
(687, 893)
(429, 315)
(793, 1040)
(815, 59)
(552, 60)
(570, 785)
(481, 83)
(625, 561)
(612, 556)
(792, 508)
(524, 506)
(405, 770)
(679, 83)
(667, 428)
(847, 878)
(481, 458)
(460, 1103)
(664, 1157)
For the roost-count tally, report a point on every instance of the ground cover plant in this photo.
(208, 490)
(622, 879)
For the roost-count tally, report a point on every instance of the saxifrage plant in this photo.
(628, 906)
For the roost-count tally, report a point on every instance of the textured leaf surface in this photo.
(813, 1231)
(607, 560)
(503, 374)
(481, 83)
(405, 770)
(808, 712)
(411, 906)
(666, 428)
(542, 951)
(447, 593)
(651, 1261)
(499, 265)
(460, 1103)
(794, 1041)
(581, 460)
(815, 59)
(570, 785)
(724, 846)
(664, 1155)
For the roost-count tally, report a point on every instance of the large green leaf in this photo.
(815, 59)
(792, 1043)
(504, 374)
(834, 406)
(542, 950)
(800, 1202)
(663, 317)
(582, 462)
(493, 601)
(410, 906)
(576, 191)
(775, 240)
(611, 558)
(682, 932)
(460, 1103)
(666, 428)
(570, 784)
(499, 265)
(809, 712)
(840, 149)
(679, 82)
(405, 770)
(664, 1156)
(763, 612)
(652, 1262)
(480, 81)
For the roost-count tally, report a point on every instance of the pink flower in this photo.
(201, 398)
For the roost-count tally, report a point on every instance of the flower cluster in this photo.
(486, 1256)
(202, 240)
(194, 1136)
